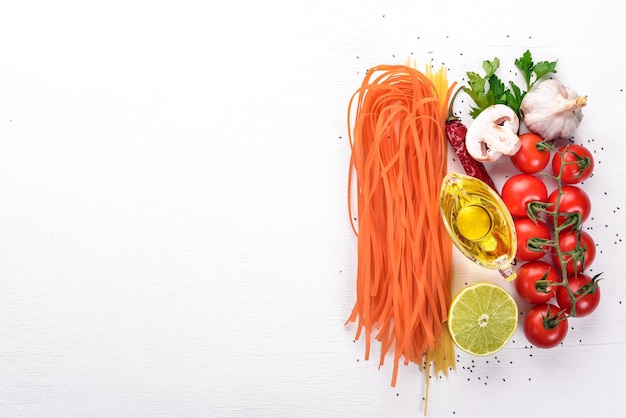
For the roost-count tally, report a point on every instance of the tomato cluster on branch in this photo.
(554, 249)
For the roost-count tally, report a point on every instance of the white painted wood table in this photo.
(174, 239)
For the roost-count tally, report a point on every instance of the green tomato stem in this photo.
(557, 231)
(551, 320)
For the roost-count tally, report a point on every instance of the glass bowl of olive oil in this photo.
(479, 223)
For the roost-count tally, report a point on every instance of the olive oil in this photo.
(479, 223)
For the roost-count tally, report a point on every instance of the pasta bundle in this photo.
(396, 122)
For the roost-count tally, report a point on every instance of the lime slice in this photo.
(482, 318)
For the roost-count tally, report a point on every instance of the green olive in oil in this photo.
(479, 223)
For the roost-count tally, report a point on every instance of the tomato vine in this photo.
(578, 255)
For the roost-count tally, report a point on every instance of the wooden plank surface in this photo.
(174, 237)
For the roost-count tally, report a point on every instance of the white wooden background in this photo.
(174, 240)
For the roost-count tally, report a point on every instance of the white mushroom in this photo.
(493, 133)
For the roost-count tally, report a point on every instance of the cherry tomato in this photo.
(526, 282)
(525, 229)
(581, 260)
(585, 305)
(579, 163)
(573, 199)
(545, 326)
(521, 189)
(532, 157)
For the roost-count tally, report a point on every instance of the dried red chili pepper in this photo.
(456, 131)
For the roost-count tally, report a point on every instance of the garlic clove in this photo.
(552, 110)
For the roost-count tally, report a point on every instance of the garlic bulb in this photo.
(552, 110)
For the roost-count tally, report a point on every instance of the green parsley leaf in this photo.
(525, 65)
(476, 90)
(533, 72)
(514, 97)
(544, 68)
(497, 90)
(474, 112)
(485, 90)
(490, 67)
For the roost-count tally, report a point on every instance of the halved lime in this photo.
(482, 318)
